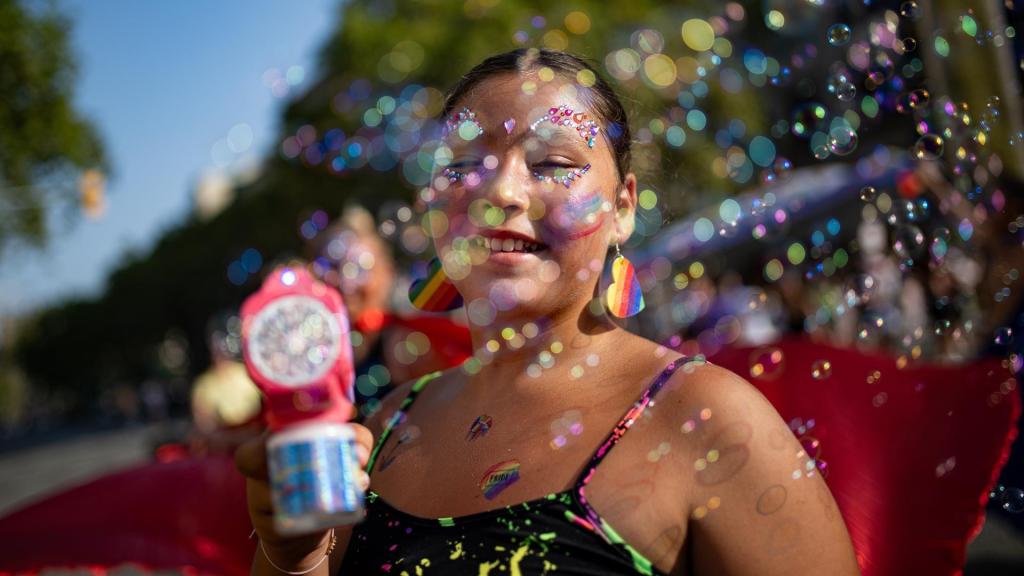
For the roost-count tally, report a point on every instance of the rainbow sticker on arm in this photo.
(498, 477)
(435, 293)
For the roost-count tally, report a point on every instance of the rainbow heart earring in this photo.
(623, 298)
(435, 293)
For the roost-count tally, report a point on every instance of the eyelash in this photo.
(570, 176)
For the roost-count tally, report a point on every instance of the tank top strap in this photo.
(625, 424)
(399, 415)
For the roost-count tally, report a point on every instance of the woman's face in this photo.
(530, 200)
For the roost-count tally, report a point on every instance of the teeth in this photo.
(508, 245)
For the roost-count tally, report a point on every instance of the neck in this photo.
(523, 345)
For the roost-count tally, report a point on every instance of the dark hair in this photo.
(600, 98)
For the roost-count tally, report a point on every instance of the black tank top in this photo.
(560, 533)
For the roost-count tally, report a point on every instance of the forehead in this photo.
(522, 96)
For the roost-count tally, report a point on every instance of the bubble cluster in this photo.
(1008, 498)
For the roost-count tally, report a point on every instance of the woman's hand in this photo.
(294, 553)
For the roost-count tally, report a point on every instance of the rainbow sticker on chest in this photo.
(479, 427)
(498, 477)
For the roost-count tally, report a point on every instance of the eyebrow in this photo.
(559, 135)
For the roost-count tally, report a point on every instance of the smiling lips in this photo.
(508, 244)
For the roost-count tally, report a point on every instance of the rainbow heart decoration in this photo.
(623, 297)
(435, 293)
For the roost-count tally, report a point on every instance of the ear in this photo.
(625, 209)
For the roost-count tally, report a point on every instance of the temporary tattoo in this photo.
(406, 437)
(579, 121)
(510, 125)
(498, 477)
(771, 500)
(479, 427)
(464, 124)
(563, 176)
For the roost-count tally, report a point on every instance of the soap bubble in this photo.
(868, 193)
(840, 83)
(918, 98)
(838, 34)
(821, 369)
(1010, 499)
(940, 243)
(928, 147)
(910, 10)
(859, 289)
(766, 363)
(907, 241)
(842, 140)
(846, 91)
(1004, 335)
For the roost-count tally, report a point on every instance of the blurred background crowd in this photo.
(847, 171)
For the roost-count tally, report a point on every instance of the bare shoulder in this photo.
(392, 402)
(756, 502)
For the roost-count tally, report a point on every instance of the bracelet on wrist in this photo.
(327, 554)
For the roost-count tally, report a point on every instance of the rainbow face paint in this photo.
(578, 121)
(510, 125)
(580, 216)
(498, 477)
(479, 427)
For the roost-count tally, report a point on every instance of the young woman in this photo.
(568, 445)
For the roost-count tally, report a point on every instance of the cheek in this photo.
(449, 211)
(579, 215)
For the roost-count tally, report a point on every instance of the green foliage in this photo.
(85, 346)
(43, 140)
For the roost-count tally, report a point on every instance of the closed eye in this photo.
(464, 164)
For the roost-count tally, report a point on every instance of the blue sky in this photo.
(164, 82)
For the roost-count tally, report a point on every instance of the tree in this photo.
(44, 142)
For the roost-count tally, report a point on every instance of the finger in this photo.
(363, 435)
(258, 494)
(364, 480)
(363, 455)
(251, 457)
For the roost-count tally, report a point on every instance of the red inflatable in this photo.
(911, 455)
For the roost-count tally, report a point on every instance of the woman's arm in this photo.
(759, 506)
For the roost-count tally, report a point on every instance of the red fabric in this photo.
(906, 510)
(185, 513)
(449, 340)
(883, 461)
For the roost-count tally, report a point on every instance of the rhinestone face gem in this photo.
(578, 121)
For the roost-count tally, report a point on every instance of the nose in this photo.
(509, 186)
